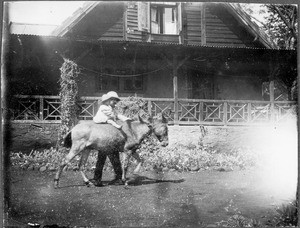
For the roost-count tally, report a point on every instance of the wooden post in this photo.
(249, 112)
(175, 66)
(203, 24)
(125, 24)
(225, 113)
(201, 114)
(41, 108)
(149, 106)
(175, 89)
(272, 108)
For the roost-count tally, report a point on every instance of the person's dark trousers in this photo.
(115, 161)
(99, 167)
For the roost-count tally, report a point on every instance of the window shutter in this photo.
(144, 16)
(179, 24)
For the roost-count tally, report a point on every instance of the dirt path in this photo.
(169, 199)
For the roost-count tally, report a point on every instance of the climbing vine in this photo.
(68, 96)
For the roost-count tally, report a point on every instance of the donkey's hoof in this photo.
(56, 184)
(126, 186)
(89, 184)
(116, 182)
(96, 183)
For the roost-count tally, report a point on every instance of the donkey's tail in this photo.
(68, 140)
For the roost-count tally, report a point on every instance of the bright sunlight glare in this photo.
(279, 160)
(42, 12)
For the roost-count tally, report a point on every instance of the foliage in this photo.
(282, 23)
(132, 107)
(278, 21)
(287, 215)
(50, 159)
(239, 221)
(68, 95)
(195, 157)
(180, 158)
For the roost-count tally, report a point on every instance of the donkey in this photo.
(107, 139)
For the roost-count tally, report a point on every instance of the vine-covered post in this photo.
(68, 96)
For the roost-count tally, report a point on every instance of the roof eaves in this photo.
(95, 41)
(74, 19)
(31, 29)
(242, 16)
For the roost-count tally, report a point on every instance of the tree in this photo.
(278, 21)
(282, 23)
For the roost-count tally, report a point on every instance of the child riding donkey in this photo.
(106, 112)
(109, 141)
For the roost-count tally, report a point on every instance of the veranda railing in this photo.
(188, 111)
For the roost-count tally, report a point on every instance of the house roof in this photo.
(31, 29)
(237, 11)
(233, 8)
(71, 21)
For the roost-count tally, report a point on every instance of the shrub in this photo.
(180, 158)
(68, 96)
(239, 221)
(50, 159)
(287, 215)
(132, 107)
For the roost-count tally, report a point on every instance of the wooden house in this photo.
(189, 52)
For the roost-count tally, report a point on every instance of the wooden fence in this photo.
(187, 112)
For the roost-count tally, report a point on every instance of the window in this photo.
(105, 82)
(108, 83)
(133, 83)
(126, 84)
(160, 17)
(164, 19)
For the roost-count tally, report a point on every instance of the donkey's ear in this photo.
(141, 119)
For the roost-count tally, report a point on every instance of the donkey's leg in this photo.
(125, 162)
(75, 149)
(84, 156)
(139, 161)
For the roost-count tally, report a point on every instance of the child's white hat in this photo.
(104, 97)
(110, 95)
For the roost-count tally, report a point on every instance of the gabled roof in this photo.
(74, 19)
(233, 8)
(31, 29)
(236, 10)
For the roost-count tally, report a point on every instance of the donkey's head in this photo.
(159, 126)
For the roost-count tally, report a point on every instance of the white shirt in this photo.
(105, 113)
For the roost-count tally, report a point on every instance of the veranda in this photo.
(46, 109)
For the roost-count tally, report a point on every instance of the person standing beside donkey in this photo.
(106, 112)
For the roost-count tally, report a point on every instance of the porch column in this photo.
(175, 66)
(203, 24)
(273, 69)
(272, 98)
(175, 89)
